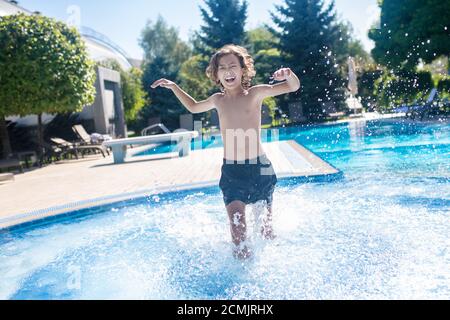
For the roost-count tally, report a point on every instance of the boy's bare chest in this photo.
(245, 107)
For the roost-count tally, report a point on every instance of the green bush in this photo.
(403, 87)
(444, 87)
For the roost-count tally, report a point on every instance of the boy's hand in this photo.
(163, 83)
(282, 74)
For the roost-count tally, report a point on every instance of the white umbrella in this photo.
(352, 81)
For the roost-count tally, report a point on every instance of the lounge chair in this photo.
(86, 137)
(330, 111)
(421, 109)
(69, 146)
(355, 107)
(62, 149)
(51, 151)
(11, 162)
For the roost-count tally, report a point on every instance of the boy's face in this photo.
(229, 71)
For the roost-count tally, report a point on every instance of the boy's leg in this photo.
(238, 227)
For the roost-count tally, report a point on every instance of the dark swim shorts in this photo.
(248, 181)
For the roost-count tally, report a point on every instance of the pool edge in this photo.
(53, 213)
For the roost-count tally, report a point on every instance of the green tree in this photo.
(366, 86)
(402, 87)
(411, 30)
(262, 46)
(44, 68)
(164, 55)
(134, 96)
(347, 45)
(193, 78)
(224, 23)
(261, 38)
(158, 39)
(443, 87)
(308, 36)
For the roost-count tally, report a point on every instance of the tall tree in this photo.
(261, 38)
(402, 87)
(194, 80)
(262, 46)
(308, 36)
(44, 68)
(224, 23)
(411, 30)
(164, 55)
(348, 45)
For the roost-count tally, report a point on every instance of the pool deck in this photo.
(70, 185)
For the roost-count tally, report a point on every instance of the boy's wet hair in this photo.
(245, 59)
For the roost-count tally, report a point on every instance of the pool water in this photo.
(381, 232)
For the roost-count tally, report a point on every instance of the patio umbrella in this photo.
(352, 81)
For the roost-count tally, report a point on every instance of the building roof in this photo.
(11, 7)
(98, 45)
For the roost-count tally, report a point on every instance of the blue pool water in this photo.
(381, 232)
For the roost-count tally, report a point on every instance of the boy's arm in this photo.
(188, 102)
(292, 84)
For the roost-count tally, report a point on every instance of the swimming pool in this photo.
(381, 232)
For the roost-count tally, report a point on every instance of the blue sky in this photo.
(122, 21)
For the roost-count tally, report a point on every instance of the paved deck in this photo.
(75, 184)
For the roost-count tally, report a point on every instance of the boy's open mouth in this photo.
(230, 79)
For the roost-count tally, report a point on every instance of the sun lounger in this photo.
(421, 109)
(11, 163)
(67, 146)
(86, 137)
(183, 139)
(330, 111)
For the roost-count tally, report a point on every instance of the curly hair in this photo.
(245, 59)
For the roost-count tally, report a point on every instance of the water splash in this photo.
(381, 233)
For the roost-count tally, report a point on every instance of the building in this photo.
(106, 115)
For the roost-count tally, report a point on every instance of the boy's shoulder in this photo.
(216, 96)
(258, 89)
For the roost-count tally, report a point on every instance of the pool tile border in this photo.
(91, 203)
(53, 213)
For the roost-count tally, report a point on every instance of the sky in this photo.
(123, 21)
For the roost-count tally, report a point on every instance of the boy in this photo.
(247, 174)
